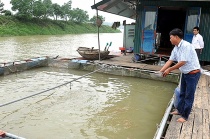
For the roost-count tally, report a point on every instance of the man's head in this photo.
(196, 30)
(176, 35)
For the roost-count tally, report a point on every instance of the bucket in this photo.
(122, 48)
(137, 57)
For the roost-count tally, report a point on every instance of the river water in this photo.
(98, 106)
(24, 47)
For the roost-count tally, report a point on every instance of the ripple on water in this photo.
(98, 105)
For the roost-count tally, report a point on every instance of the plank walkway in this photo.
(126, 61)
(198, 124)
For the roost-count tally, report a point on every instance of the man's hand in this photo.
(166, 72)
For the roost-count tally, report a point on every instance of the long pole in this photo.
(124, 45)
(99, 54)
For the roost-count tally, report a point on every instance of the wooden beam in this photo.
(99, 3)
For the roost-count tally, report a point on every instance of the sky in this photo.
(85, 5)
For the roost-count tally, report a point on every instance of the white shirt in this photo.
(197, 41)
(185, 52)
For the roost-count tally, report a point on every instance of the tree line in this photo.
(45, 9)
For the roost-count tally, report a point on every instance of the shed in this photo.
(156, 18)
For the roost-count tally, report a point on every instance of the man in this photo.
(189, 66)
(197, 41)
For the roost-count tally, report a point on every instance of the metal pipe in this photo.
(13, 136)
(164, 120)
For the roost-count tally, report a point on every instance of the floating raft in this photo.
(17, 66)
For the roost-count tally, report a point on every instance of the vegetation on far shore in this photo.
(42, 17)
(11, 26)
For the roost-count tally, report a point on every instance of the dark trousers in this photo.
(198, 51)
(187, 92)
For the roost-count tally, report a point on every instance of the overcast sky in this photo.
(85, 5)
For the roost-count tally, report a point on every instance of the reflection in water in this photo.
(98, 106)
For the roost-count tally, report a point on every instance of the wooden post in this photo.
(97, 22)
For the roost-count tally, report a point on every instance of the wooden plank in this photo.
(187, 128)
(197, 128)
(198, 124)
(205, 100)
(206, 134)
(202, 81)
(173, 131)
(198, 98)
(208, 81)
(208, 93)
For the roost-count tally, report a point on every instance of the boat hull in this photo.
(92, 54)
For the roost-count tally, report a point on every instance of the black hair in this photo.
(177, 32)
(196, 28)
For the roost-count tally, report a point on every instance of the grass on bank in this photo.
(11, 26)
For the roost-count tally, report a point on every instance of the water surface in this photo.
(97, 106)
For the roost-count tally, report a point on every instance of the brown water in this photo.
(24, 47)
(97, 106)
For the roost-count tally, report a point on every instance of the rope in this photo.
(8, 103)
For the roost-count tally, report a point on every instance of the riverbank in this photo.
(11, 26)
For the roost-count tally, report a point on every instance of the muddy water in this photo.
(24, 47)
(97, 106)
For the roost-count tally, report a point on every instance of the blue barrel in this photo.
(176, 97)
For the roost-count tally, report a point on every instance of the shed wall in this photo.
(204, 22)
(205, 32)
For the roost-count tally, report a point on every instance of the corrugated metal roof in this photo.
(118, 7)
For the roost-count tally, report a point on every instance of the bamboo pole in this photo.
(99, 54)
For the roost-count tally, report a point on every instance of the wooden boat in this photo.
(92, 54)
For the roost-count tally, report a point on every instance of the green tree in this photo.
(93, 19)
(57, 11)
(1, 7)
(48, 8)
(7, 12)
(78, 15)
(38, 9)
(66, 10)
(24, 8)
